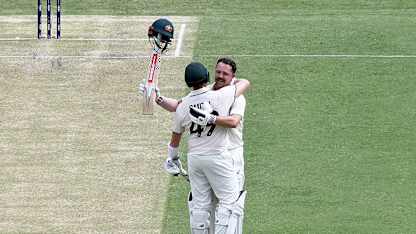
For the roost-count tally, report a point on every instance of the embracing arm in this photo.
(236, 114)
(203, 117)
(231, 121)
(241, 86)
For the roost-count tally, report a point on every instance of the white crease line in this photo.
(180, 40)
(77, 39)
(87, 57)
(104, 39)
(311, 55)
(99, 18)
(209, 55)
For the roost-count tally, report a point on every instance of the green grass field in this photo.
(329, 130)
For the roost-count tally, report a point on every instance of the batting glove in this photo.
(173, 164)
(174, 167)
(142, 88)
(201, 117)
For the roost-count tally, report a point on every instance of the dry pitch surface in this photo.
(77, 155)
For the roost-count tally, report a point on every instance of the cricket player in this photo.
(225, 71)
(210, 165)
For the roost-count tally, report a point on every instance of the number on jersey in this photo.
(199, 129)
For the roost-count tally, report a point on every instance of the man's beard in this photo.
(219, 84)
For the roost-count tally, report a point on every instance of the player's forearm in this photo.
(168, 104)
(228, 121)
(242, 86)
(175, 140)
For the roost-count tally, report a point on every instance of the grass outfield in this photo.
(329, 140)
(328, 151)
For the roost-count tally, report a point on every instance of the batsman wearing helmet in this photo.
(210, 165)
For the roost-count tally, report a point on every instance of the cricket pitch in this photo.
(77, 154)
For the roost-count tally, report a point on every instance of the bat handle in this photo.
(149, 90)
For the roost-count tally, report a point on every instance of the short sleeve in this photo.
(239, 106)
(226, 95)
(177, 120)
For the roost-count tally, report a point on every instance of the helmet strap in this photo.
(158, 44)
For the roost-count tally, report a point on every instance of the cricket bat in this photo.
(149, 94)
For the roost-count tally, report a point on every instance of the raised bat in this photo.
(151, 82)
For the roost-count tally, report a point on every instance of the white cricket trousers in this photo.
(238, 156)
(216, 172)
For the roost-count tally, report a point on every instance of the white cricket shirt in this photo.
(236, 134)
(210, 139)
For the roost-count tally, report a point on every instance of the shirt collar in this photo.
(199, 91)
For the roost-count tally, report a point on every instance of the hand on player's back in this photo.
(202, 116)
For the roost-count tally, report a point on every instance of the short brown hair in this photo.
(228, 61)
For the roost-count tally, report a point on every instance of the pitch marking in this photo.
(180, 39)
(77, 39)
(213, 55)
(313, 55)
